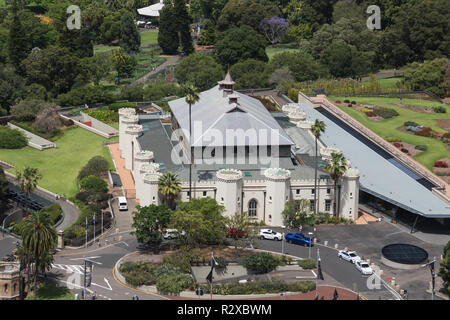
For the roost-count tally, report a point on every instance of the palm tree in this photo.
(192, 96)
(28, 179)
(169, 185)
(23, 256)
(317, 128)
(39, 237)
(336, 167)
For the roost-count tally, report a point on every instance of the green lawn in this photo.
(386, 83)
(149, 37)
(59, 167)
(271, 51)
(50, 292)
(388, 128)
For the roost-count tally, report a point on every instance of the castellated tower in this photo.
(141, 158)
(125, 113)
(130, 145)
(229, 190)
(150, 194)
(278, 183)
(350, 194)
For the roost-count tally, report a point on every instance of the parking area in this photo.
(367, 241)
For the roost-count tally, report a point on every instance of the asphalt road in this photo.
(341, 271)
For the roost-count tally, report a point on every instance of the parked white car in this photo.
(172, 233)
(269, 234)
(123, 205)
(363, 267)
(350, 256)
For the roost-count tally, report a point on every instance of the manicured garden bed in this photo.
(436, 149)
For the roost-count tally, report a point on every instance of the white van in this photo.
(123, 205)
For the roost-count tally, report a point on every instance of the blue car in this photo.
(299, 238)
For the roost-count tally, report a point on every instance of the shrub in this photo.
(302, 286)
(117, 105)
(259, 263)
(393, 140)
(54, 211)
(12, 138)
(404, 150)
(385, 113)
(411, 124)
(306, 263)
(440, 164)
(423, 133)
(398, 144)
(103, 115)
(353, 102)
(138, 274)
(421, 147)
(439, 109)
(371, 114)
(166, 268)
(95, 166)
(174, 283)
(3, 112)
(87, 94)
(346, 101)
(338, 101)
(350, 105)
(179, 260)
(93, 184)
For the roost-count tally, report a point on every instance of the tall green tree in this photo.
(202, 219)
(250, 73)
(338, 58)
(169, 186)
(55, 68)
(240, 224)
(149, 223)
(123, 64)
(199, 69)
(11, 85)
(337, 167)
(240, 44)
(130, 39)
(317, 129)
(28, 179)
(444, 270)
(4, 186)
(18, 44)
(184, 26)
(295, 212)
(39, 237)
(238, 13)
(191, 97)
(168, 35)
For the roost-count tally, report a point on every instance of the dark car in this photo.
(233, 233)
(299, 238)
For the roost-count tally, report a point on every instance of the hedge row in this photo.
(12, 138)
(261, 287)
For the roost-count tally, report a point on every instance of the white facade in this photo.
(263, 199)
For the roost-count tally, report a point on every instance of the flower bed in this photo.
(440, 164)
(261, 287)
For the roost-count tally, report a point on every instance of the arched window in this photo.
(252, 206)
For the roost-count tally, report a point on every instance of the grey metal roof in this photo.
(379, 175)
(214, 112)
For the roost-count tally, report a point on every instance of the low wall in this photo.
(99, 125)
(93, 130)
(45, 145)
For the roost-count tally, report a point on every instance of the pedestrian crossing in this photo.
(72, 268)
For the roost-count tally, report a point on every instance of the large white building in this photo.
(248, 159)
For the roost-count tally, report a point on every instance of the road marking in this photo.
(315, 275)
(88, 252)
(69, 268)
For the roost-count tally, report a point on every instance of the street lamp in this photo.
(310, 237)
(433, 275)
(282, 240)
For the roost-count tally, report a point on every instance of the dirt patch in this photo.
(415, 108)
(410, 148)
(440, 171)
(444, 124)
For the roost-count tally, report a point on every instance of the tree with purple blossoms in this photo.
(274, 28)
